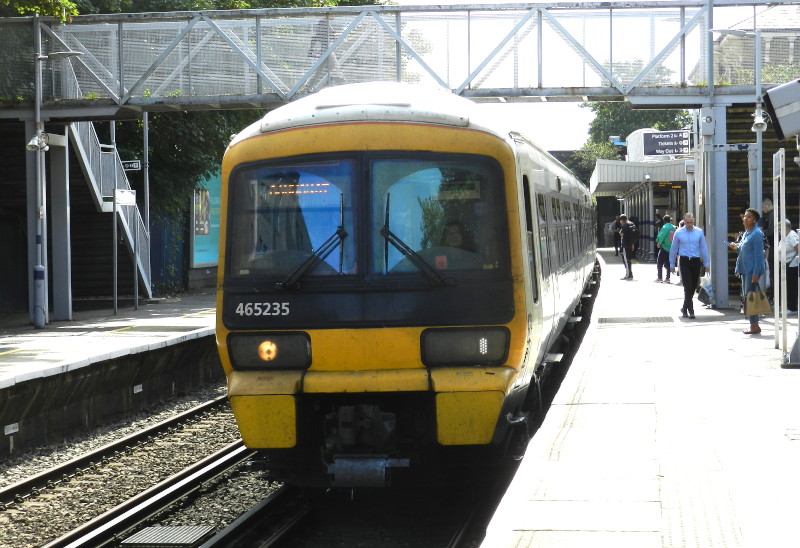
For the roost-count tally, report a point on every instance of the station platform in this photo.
(99, 335)
(667, 432)
(72, 375)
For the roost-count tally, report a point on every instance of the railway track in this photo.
(33, 486)
(49, 506)
(107, 527)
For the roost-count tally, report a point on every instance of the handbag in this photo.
(755, 302)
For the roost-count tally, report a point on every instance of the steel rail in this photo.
(106, 527)
(269, 520)
(32, 485)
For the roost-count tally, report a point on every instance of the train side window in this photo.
(542, 208)
(544, 230)
(526, 190)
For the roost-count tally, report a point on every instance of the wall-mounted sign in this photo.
(666, 143)
(125, 197)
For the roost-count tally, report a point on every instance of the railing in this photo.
(104, 173)
(600, 50)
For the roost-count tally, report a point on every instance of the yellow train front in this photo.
(387, 283)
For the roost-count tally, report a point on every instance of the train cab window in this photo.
(441, 214)
(283, 215)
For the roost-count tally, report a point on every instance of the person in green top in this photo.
(663, 245)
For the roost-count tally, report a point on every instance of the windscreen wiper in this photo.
(321, 253)
(402, 247)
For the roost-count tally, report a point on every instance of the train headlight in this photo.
(465, 346)
(270, 350)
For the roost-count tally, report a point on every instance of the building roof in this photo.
(616, 177)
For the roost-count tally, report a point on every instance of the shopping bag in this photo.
(755, 302)
(706, 292)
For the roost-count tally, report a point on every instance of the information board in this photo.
(666, 143)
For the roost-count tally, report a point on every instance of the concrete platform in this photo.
(74, 375)
(667, 432)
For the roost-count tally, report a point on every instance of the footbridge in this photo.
(121, 66)
(646, 52)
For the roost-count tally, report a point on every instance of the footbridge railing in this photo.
(657, 52)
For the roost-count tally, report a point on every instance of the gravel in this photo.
(37, 460)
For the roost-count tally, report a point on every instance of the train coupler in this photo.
(352, 471)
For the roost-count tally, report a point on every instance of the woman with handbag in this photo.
(791, 243)
(750, 264)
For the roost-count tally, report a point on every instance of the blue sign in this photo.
(205, 223)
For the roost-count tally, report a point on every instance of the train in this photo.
(396, 268)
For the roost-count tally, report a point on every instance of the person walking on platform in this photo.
(663, 244)
(627, 237)
(689, 244)
(750, 264)
(615, 229)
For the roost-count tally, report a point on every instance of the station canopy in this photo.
(617, 177)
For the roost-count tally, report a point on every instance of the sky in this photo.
(553, 126)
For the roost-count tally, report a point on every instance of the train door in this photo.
(548, 262)
(533, 282)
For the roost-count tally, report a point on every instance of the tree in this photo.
(582, 162)
(52, 8)
(619, 118)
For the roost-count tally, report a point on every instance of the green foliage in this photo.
(62, 9)
(619, 118)
(583, 161)
(185, 147)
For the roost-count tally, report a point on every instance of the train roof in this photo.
(372, 102)
(386, 102)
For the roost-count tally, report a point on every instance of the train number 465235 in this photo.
(262, 309)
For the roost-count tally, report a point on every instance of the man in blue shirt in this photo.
(689, 244)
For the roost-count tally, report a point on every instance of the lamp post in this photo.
(39, 144)
(755, 157)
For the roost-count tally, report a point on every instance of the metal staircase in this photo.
(102, 168)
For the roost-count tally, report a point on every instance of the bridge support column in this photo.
(715, 186)
(60, 224)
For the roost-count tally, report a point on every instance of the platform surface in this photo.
(97, 335)
(667, 432)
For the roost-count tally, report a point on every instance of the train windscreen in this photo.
(426, 214)
(291, 215)
(445, 213)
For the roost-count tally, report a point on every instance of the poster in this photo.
(205, 223)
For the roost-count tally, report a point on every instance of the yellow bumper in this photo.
(266, 421)
(468, 401)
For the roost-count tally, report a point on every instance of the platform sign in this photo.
(132, 165)
(666, 143)
(124, 197)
